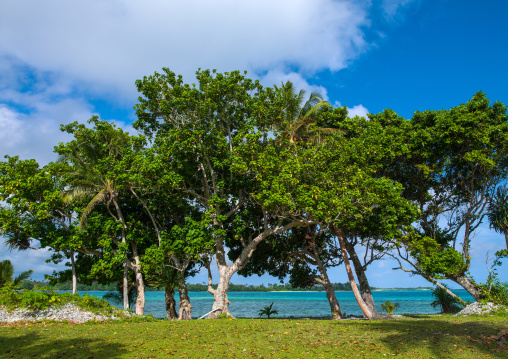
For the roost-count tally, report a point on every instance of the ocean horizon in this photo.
(297, 303)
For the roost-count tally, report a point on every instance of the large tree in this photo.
(101, 158)
(454, 162)
(34, 214)
(212, 134)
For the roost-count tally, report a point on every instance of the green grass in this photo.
(421, 337)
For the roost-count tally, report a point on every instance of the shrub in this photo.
(389, 307)
(43, 299)
(268, 311)
(447, 302)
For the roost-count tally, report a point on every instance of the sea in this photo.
(296, 304)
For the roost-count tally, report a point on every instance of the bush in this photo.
(43, 299)
(447, 302)
(389, 307)
(495, 291)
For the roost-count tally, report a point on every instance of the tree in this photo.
(7, 272)
(453, 163)
(498, 212)
(100, 158)
(210, 136)
(268, 311)
(34, 210)
(298, 122)
(303, 255)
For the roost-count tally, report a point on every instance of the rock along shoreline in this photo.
(68, 312)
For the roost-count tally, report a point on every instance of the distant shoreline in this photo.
(282, 291)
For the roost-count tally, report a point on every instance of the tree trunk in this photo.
(185, 305)
(74, 279)
(363, 306)
(506, 238)
(468, 285)
(332, 300)
(140, 295)
(139, 309)
(324, 280)
(169, 300)
(125, 287)
(365, 289)
(220, 295)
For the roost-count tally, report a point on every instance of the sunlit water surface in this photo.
(297, 304)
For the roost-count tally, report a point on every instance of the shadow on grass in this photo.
(35, 345)
(443, 338)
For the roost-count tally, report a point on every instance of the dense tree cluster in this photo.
(254, 180)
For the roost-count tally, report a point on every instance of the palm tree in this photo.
(6, 273)
(116, 297)
(299, 117)
(448, 303)
(86, 179)
(268, 311)
(498, 212)
(389, 307)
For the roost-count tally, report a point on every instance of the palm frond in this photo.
(6, 272)
(23, 276)
(98, 198)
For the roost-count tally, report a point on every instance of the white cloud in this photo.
(109, 44)
(358, 110)
(35, 135)
(31, 259)
(276, 77)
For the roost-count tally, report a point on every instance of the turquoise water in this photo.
(298, 304)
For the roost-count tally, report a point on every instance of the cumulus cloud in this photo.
(277, 77)
(358, 110)
(109, 44)
(34, 136)
(37, 261)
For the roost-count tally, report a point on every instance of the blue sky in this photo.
(63, 61)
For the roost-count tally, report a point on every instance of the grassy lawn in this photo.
(420, 337)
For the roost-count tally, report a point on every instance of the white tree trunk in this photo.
(363, 306)
(125, 286)
(185, 311)
(74, 279)
(220, 295)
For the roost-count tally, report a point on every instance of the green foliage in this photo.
(450, 164)
(389, 307)
(268, 311)
(494, 290)
(445, 301)
(43, 299)
(116, 297)
(7, 272)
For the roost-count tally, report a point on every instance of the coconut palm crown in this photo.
(498, 212)
(299, 117)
